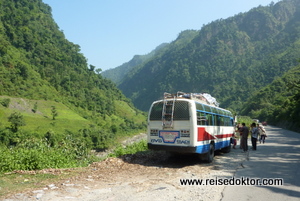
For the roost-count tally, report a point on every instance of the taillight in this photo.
(185, 133)
(153, 132)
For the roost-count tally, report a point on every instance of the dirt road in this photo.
(277, 159)
(154, 176)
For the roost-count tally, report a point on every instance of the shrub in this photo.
(16, 120)
(5, 102)
(54, 112)
(34, 110)
(34, 154)
(130, 149)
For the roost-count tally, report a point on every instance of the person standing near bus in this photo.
(254, 136)
(245, 132)
(262, 133)
(239, 133)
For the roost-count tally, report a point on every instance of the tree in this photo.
(16, 120)
(53, 112)
(34, 107)
(98, 70)
(92, 68)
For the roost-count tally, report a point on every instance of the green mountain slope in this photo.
(66, 119)
(279, 102)
(230, 58)
(39, 65)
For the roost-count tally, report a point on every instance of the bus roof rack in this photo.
(201, 97)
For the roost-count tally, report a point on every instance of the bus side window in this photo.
(201, 118)
(222, 121)
(209, 119)
(227, 121)
(214, 119)
(218, 120)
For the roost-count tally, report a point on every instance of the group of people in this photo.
(258, 133)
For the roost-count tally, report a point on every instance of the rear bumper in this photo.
(172, 148)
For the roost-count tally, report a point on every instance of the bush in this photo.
(16, 120)
(5, 102)
(34, 154)
(130, 149)
(34, 110)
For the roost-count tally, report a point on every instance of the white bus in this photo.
(188, 123)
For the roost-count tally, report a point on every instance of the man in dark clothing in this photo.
(254, 135)
(245, 131)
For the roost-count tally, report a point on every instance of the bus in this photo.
(189, 123)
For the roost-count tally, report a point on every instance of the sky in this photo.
(111, 32)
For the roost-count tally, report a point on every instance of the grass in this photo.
(41, 121)
(123, 109)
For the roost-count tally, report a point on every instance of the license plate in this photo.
(169, 136)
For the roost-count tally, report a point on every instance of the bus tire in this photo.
(209, 156)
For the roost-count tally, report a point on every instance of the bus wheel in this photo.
(209, 156)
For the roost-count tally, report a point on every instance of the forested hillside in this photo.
(228, 58)
(38, 62)
(48, 91)
(279, 102)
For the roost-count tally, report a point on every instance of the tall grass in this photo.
(34, 154)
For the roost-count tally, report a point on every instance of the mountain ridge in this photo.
(226, 58)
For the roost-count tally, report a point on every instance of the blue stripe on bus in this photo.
(223, 115)
(202, 149)
(222, 144)
(205, 148)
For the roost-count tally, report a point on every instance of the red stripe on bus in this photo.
(204, 135)
(224, 135)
